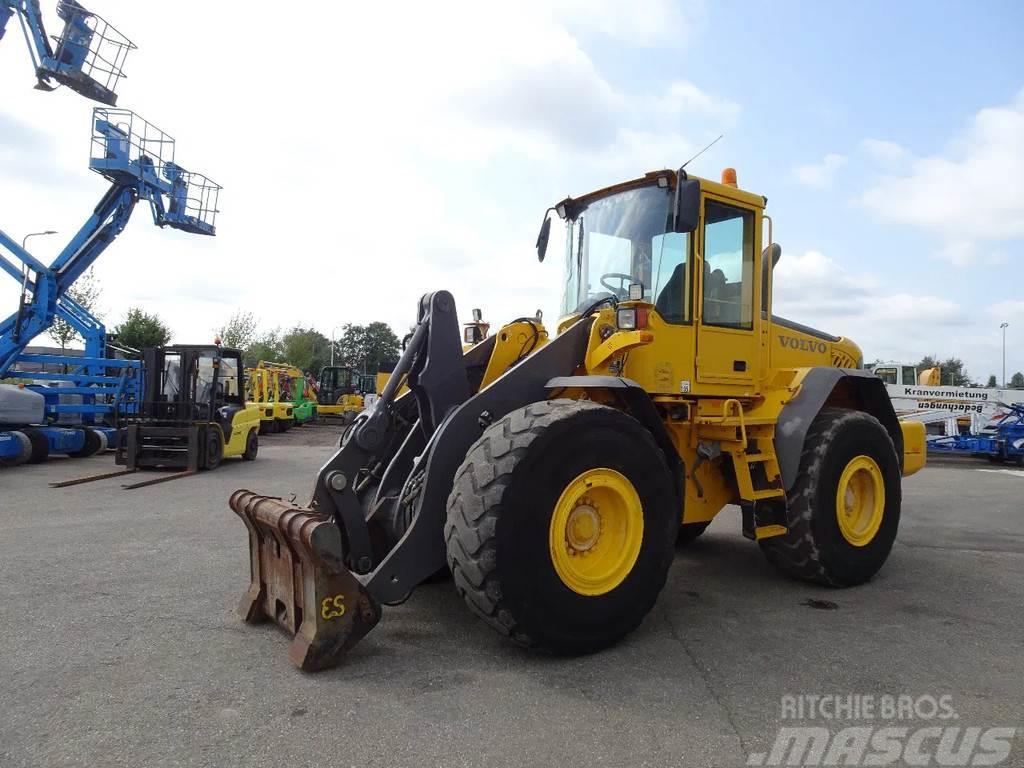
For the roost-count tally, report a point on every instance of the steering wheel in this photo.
(622, 291)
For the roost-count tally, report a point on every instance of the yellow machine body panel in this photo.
(242, 423)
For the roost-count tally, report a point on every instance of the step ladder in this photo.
(752, 448)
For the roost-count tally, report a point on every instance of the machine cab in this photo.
(186, 383)
(335, 381)
(691, 252)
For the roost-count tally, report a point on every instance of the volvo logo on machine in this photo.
(804, 345)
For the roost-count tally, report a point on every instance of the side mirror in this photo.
(687, 205)
(542, 238)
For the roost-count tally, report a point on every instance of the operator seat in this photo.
(670, 302)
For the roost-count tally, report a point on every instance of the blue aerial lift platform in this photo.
(88, 56)
(138, 160)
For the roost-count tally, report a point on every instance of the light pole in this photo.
(36, 234)
(332, 343)
(1003, 326)
(24, 267)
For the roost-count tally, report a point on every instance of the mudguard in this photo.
(635, 400)
(821, 387)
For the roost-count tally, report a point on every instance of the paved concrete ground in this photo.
(121, 646)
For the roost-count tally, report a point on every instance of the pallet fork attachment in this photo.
(300, 581)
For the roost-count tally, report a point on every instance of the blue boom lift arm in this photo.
(87, 57)
(138, 159)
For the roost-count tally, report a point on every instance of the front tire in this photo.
(561, 525)
(690, 532)
(24, 451)
(214, 449)
(844, 509)
(40, 446)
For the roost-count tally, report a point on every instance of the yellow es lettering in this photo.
(332, 607)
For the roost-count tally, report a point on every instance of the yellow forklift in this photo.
(193, 413)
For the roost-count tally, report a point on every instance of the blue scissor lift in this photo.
(138, 160)
(88, 56)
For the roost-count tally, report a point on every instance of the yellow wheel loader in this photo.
(555, 476)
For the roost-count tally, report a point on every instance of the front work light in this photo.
(631, 318)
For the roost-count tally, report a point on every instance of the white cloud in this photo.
(964, 253)
(972, 193)
(820, 174)
(639, 22)
(402, 152)
(683, 98)
(887, 152)
(814, 289)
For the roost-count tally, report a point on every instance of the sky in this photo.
(373, 153)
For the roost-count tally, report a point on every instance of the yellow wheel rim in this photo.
(596, 532)
(860, 501)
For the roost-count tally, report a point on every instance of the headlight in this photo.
(631, 318)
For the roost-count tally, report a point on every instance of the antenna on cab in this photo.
(709, 146)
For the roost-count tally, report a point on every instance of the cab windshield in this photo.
(622, 239)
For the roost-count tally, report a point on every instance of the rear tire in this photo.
(503, 535)
(93, 444)
(252, 446)
(816, 547)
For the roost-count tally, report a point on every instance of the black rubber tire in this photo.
(40, 446)
(214, 449)
(252, 446)
(283, 425)
(24, 451)
(93, 444)
(814, 549)
(499, 512)
(690, 532)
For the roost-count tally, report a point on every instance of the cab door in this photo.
(728, 344)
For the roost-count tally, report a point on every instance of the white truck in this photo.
(918, 396)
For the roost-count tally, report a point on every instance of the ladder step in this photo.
(759, 457)
(768, 493)
(767, 531)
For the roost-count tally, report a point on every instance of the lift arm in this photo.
(43, 295)
(137, 159)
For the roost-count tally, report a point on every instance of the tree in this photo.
(267, 347)
(368, 348)
(85, 291)
(239, 332)
(140, 329)
(306, 348)
(1017, 381)
(951, 370)
(991, 383)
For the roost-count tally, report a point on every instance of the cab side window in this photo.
(670, 273)
(728, 266)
